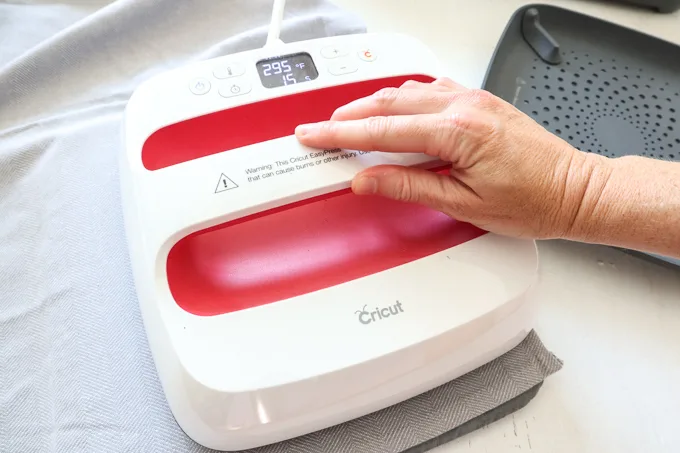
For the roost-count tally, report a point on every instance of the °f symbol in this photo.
(225, 183)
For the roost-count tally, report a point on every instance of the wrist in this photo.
(630, 202)
(586, 188)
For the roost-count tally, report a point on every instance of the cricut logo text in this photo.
(367, 317)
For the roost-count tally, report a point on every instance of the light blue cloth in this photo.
(76, 374)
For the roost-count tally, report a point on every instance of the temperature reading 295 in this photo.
(286, 70)
(281, 67)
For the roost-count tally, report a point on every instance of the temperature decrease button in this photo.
(367, 55)
(342, 67)
(199, 86)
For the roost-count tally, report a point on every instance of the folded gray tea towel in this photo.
(76, 374)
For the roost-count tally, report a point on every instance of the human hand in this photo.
(509, 175)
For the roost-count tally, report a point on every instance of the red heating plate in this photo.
(254, 123)
(304, 247)
(300, 248)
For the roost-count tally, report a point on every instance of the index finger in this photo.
(407, 133)
(432, 134)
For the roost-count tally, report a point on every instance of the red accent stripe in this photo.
(254, 123)
(304, 247)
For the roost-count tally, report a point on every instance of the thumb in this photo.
(414, 185)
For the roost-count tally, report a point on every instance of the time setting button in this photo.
(229, 90)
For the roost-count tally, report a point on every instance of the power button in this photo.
(367, 55)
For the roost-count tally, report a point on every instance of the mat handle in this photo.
(545, 46)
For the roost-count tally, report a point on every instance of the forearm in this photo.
(630, 202)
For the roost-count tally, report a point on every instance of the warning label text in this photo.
(299, 163)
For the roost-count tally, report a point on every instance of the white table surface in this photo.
(613, 318)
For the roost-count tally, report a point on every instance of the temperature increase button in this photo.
(229, 90)
(333, 52)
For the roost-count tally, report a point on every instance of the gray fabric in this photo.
(76, 374)
(416, 425)
(488, 417)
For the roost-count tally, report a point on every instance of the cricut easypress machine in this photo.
(276, 302)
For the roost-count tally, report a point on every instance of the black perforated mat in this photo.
(603, 88)
(605, 106)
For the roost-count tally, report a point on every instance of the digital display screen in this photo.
(286, 70)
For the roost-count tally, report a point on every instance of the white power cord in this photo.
(275, 25)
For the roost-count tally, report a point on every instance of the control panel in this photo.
(236, 78)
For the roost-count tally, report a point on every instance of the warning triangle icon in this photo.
(225, 183)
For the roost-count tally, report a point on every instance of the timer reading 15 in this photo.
(286, 70)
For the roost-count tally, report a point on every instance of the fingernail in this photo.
(305, 129)
(365, 185)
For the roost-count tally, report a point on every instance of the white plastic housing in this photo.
(261, 375)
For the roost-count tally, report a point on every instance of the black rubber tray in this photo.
(662, 6)
(603, 88)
